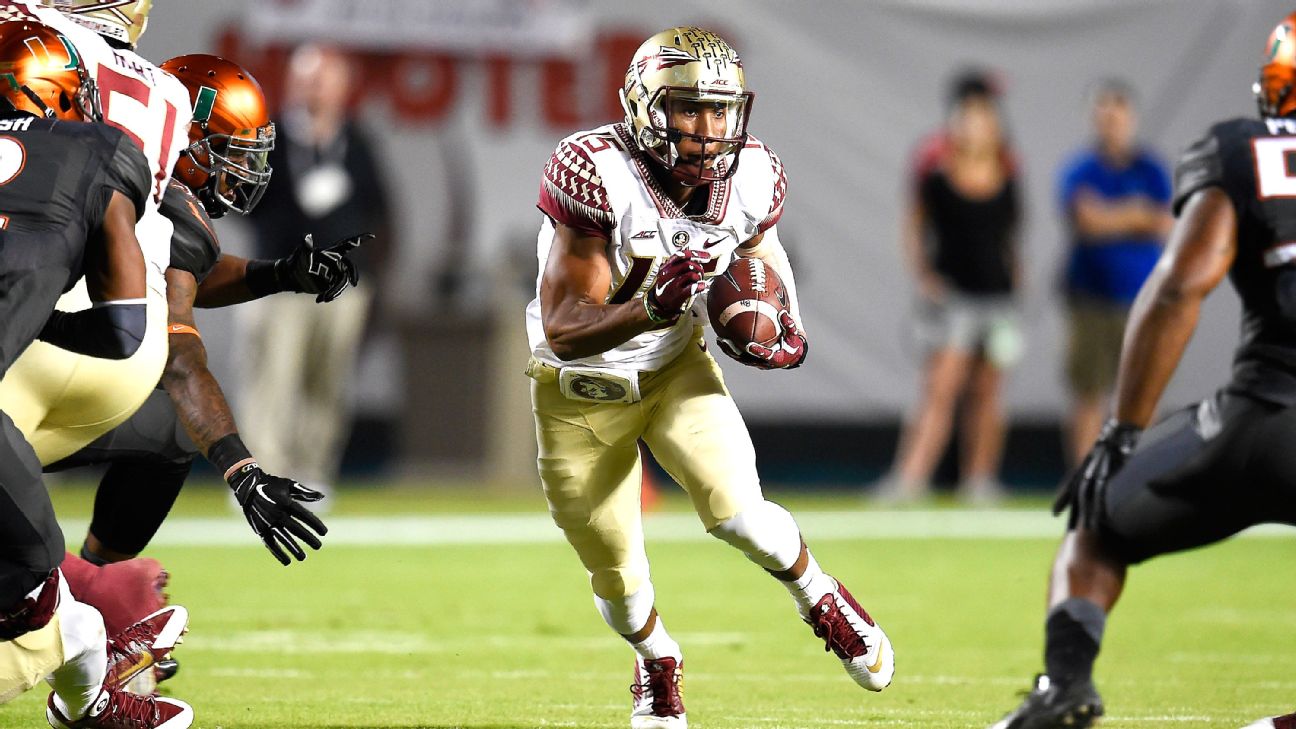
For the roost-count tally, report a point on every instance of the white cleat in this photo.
(658, 693)
(848, 631)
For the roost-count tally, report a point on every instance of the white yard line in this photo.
(452, 529)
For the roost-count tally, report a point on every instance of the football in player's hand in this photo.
(744, 303)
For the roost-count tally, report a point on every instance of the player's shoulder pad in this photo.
(571, 190)
(1220, 158)
(128, 171)
(761, 171)
(194, 245)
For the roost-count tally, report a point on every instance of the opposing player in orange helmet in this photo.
(231, 135)
(1274, 90)
(1217, 466)
(41, 72)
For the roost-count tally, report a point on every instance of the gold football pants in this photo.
(589, 462)
(29, 658)
(62, 401)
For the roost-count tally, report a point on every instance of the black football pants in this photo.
(1201, 475)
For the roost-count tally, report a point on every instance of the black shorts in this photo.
(1201, 475)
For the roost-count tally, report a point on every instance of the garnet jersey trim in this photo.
(571, 192)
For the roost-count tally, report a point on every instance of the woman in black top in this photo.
(960, 239)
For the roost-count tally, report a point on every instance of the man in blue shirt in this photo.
(1115, 197)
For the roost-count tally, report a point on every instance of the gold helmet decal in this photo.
(121, 20)
(694, 69)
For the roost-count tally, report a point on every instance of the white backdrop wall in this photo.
(844, 91)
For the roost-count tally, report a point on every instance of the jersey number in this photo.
(1275, 159)
(125, 103)
(13, 158)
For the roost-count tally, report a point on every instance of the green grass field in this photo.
(485, 621)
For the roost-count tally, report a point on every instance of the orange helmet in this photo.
(227, 161)
(41, 72)
(1278, 74)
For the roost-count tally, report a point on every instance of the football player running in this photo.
(638, 216)
(62, 401)
(72, 194)
(1214, 468)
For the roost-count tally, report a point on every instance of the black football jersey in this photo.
(194, 247)
(1254, 162)
(56, 179)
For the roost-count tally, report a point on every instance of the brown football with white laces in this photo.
(745, 301)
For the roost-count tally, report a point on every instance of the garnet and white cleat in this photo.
(1278, 722)
(134, 652)
(658, 693)
(848, 631)
(122, 710)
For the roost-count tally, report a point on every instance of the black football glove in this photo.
(273, 508)
(323, 271)
(1083, 491)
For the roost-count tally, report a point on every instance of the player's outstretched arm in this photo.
(270, 503)
(1198, 255)
(114, 326)
(575, 285)
(325, 271)
(1201, 249)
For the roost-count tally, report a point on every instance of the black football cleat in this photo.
(1055, 706)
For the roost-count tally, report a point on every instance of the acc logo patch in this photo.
(593, 389)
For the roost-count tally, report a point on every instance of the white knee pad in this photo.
(766, 533)
(628, 615)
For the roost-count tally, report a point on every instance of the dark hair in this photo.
(1112, 87)
(972, 84)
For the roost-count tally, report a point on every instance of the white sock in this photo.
(78, 681)
(658, 644)
(811, 586)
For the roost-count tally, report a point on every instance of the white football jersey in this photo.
(149, 105)
(597, 181)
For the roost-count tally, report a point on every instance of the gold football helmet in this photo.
(123, 21)
(1278, 73)
(695, 70)
(41, 72)
(227, 162)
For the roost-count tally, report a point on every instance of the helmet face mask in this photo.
(237, 170)
(686, 104)
(41, 73)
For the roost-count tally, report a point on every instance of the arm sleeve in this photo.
(572, 193)
(1201, 166)
(110, 330)
(128, 172)
(194, 246)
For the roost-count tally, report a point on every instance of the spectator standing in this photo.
(960, 238)
(327, 182)
(1115, 197)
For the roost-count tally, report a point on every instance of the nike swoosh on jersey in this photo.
(713, 243)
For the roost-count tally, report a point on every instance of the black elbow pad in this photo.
(112, 330)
